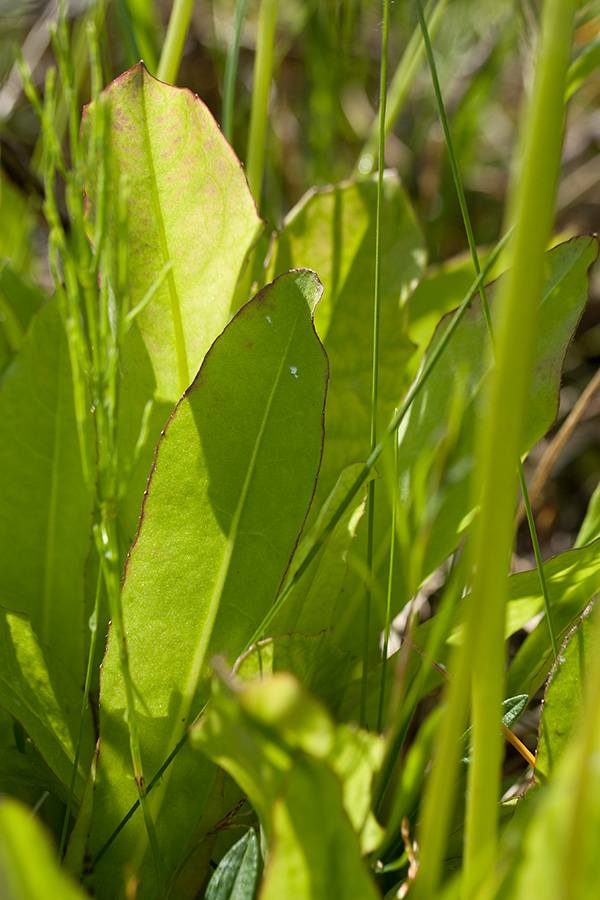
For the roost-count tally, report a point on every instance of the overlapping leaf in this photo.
(231, 485)
(308, 780)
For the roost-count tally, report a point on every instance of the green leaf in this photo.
(573, 579)
(189, 204)
(236, 876)
(468, 359)
(315, 660)
(333, 231)
(312, 605)
(38, 691)
(28, 866)
(18, 302)
(230, 488)
(563, 700)
(308, 780)
(45, 507)
(585, 65)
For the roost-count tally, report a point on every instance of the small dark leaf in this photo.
(236, 876)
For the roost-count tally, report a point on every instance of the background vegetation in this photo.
(320, 104)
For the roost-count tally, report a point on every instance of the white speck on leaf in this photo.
(294, 371)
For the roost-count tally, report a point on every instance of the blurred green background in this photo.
(323, 104)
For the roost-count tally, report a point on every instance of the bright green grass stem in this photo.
(170, 58)
(480, 663)
(532, 209)
(375, 367)
(399, 88)
(263, 73)
(230, 71)
(486, 310)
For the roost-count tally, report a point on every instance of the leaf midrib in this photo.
(175, 306)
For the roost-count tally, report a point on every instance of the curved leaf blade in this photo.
(189, 204)
(230, 488)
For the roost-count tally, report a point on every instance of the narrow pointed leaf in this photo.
(236, 877)
(230, 488)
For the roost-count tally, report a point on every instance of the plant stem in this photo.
(263, 73)
(398, 89)
(170, 58)
(84, 706)
(486, 309)
(388, 610)
(230, 71)
(375, 369)
(531, 207)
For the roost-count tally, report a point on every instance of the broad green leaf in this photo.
(563, 700)
(45, 508)
(218, 819)
(17, 222)
(37, 689)
(308, 780)
(230, 488)
(28, 866)
(236, 877)
(468, 360)
(189, 204)
(18, 302)
(332, 230)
